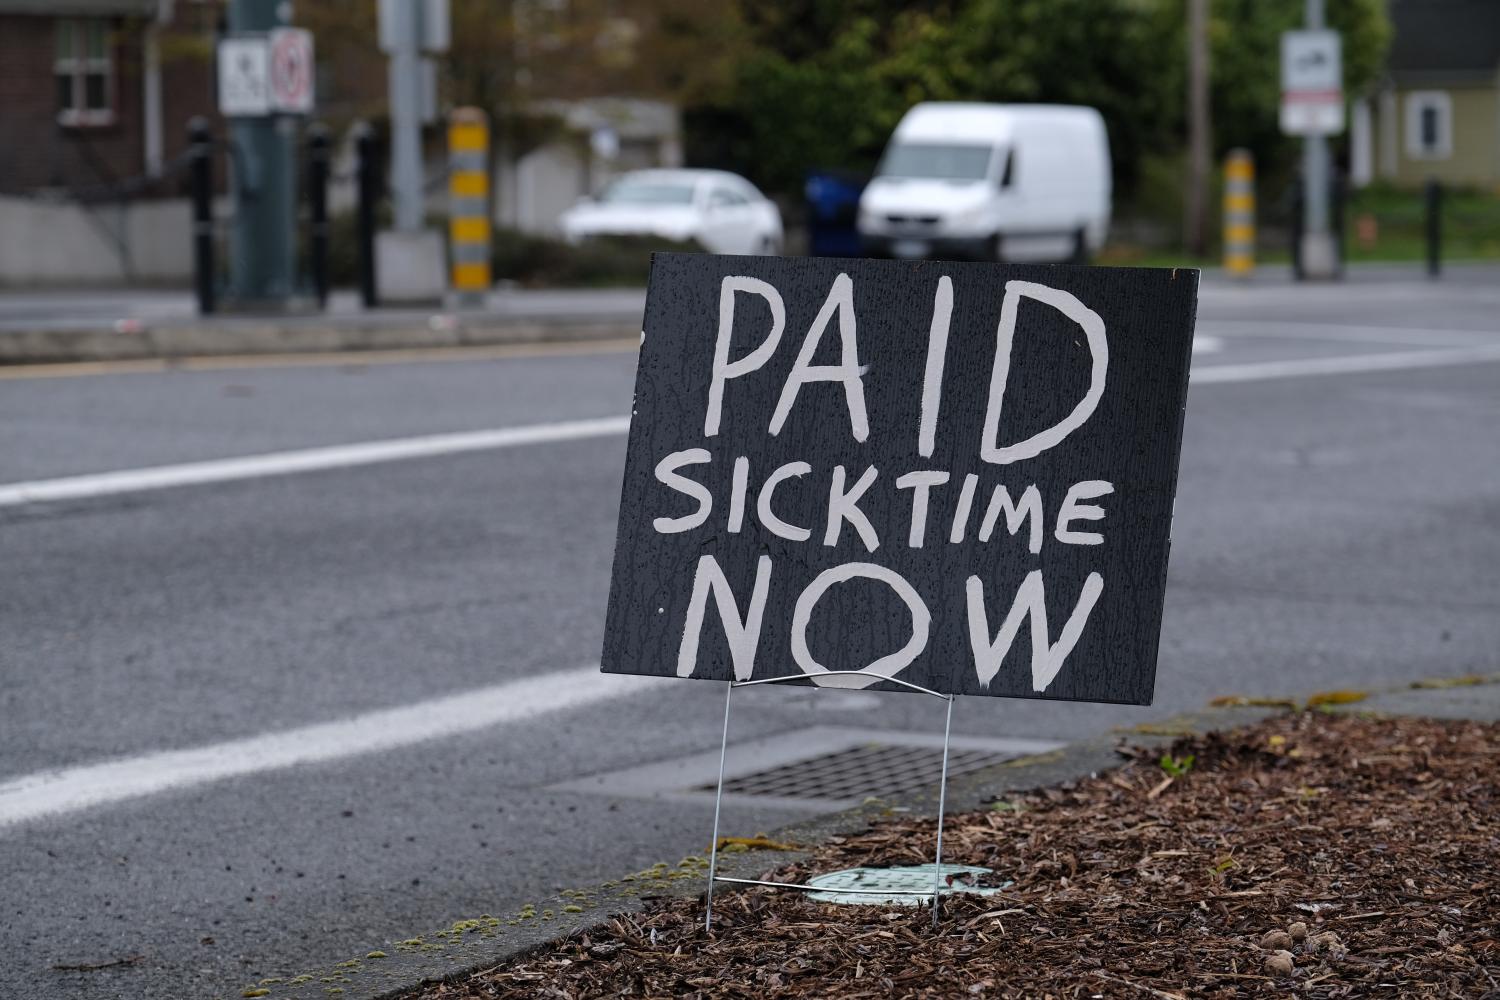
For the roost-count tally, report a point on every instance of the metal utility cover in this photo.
(823, 768)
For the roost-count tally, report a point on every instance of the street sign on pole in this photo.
(871, 473)
(266, 74)
(244, 77)
(1312, 83)
(291, 70)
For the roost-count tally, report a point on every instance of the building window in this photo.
(1429, 125)
(84, 70)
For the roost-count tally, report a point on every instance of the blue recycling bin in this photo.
(832, 210)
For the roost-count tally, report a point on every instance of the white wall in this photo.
(64, 243)
(533, 192)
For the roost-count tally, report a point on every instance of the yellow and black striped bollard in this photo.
(1239, 213)
(468, 204)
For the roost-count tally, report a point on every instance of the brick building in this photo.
(95, 94)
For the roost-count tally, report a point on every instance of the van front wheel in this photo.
(997, 249)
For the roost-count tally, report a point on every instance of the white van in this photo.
(1024, 182)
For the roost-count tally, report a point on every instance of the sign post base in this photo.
(938, 870)
(409, 267)
(1319, 257)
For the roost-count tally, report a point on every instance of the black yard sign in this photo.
(960, 475)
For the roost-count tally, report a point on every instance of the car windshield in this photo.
(936, 161)
(626, 192)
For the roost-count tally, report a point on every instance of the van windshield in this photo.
(936, 161)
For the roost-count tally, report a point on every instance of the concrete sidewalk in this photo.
(394, 969)
(55, 325)
(113, 325)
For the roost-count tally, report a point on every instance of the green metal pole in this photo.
(264, 167)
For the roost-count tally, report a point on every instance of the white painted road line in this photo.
(1346, 332)
(284, 463)
(53, 793)
(369, 453)
(1256, 371)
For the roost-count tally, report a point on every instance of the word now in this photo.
(742, 629)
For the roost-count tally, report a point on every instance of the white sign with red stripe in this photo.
(270, 74)
(291, 70)
(1312, 83)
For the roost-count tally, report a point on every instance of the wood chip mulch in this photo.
(1315, 855)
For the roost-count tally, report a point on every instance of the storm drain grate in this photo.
(861, 772)
(819, 768)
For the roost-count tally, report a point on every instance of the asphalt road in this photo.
(1333, 529)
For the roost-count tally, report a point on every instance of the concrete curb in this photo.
(247, 336)
(472, 945)
(180, 336)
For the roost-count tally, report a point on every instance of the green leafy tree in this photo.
(822, 84)
(818, 83)
(1245, 41)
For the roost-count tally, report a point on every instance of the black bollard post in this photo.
(368, 169)
(1299, 221)
(1338, 193)
(1433, 199)
(200, 147)
(317, 195)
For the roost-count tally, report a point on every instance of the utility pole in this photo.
(1319, 255)
(406, 126)
(263, 260)
(1195, 229)
(409, 259)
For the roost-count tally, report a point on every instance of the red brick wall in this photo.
(187, 75)
(38, 152)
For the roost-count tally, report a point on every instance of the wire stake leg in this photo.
(713, 850)
(937, 868)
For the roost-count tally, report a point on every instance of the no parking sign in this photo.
(291, 70)
(270, 74)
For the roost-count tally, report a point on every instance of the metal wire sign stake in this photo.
(713, 852)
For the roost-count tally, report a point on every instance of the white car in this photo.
(721, 211)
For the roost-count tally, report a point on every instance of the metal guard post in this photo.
(713, 851)
(367, 174)
(317, 198)
(200, 158)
